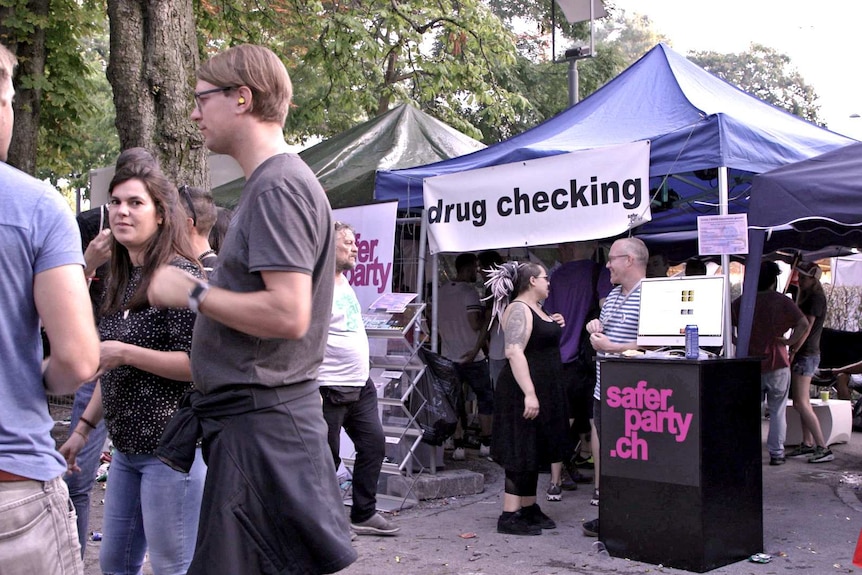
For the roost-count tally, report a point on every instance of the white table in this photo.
(835, 417)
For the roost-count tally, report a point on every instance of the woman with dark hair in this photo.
(144, 371)
(530, 412)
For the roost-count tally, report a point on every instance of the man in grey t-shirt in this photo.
(271, 502)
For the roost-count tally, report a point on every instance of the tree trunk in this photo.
(27, 104)
(151, 69)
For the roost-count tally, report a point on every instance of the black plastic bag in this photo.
(439, 386)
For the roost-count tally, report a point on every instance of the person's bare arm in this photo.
(601, 342)
(804, 336)
(799, 331)
(281, 310)
(63, 303)
(97, 253)
(848, 369)
(478, 324)
(79, 436)
(517, 328)
(168, 364)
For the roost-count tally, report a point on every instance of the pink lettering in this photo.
(646, 410)
(632, 447)
(614, 396)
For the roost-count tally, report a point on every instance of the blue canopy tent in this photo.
(695, 121)
(810, 204)
(708, 139)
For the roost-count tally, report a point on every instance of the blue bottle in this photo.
(691, 342)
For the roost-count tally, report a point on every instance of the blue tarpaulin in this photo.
(694, 120)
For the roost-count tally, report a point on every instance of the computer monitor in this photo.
(669, 304)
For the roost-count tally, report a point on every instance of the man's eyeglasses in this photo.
(202, 93)
(541, 277)
(187, 196)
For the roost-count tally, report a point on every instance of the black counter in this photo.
(681, 464)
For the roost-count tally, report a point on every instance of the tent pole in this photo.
(723, 195)
(756, 240)
(435, 272)
(420, 272)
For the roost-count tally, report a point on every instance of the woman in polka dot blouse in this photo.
(144, 368)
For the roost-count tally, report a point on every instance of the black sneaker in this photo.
(821, 455)
(591, 528)
(516, 524)
(777, 460)
(594, 500)
(801, 451)
(535, 516)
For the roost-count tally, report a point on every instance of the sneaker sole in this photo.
(528, 533)
(374, 531)
(825, 459)
(589, 533)
(555, 497)
(795, 455)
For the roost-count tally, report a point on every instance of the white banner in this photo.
(584, 195)
(375, 238)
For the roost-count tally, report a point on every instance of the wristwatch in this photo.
(197, 295)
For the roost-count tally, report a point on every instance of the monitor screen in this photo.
(670, 304)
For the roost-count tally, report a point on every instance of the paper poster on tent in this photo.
(717, 235)
(374, 225)
(582, 195)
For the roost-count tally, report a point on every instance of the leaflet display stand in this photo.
(396, 369)
(681, 461)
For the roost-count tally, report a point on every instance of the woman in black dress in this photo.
(530, 417)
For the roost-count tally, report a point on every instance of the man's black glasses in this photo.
(184, 192)
(210, 91)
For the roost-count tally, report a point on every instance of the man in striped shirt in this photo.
(616, 330)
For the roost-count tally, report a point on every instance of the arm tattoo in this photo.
(516, 331)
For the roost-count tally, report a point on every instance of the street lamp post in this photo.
(576, 11)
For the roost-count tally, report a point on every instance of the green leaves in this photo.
(767, 74)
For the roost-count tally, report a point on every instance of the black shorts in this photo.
(579, 393)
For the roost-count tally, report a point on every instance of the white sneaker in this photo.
(459, 454)
(485, 451)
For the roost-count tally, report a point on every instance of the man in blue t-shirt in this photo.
(43, 283)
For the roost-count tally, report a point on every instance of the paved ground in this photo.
(812, 519)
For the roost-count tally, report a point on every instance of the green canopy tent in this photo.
(346, 163)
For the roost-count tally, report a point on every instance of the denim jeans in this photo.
(149, 506)
(361, 421)
(805, 365)
(37, 529)
(81, 483)
(776, 385)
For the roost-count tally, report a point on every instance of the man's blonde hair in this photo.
(257, 68)
(8, 61)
